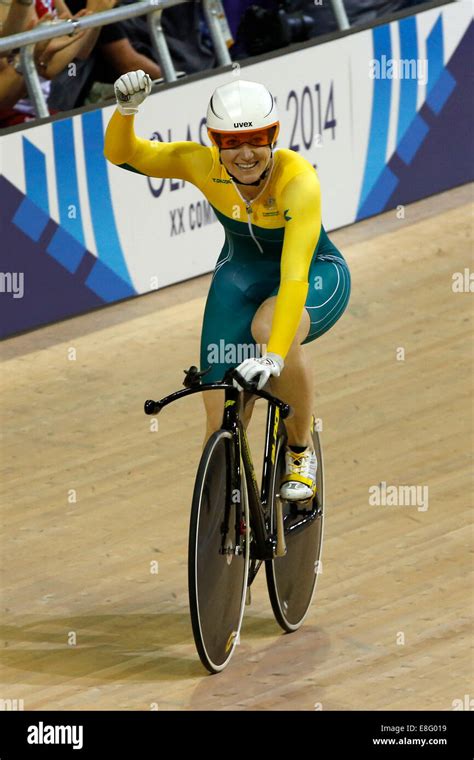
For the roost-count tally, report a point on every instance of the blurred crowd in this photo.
(80, 69)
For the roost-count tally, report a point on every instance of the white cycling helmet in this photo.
(242, 107)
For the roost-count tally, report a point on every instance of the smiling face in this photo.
(246, 162)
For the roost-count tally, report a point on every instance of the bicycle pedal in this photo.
(301, 507)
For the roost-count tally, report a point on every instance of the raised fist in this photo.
(131, 89)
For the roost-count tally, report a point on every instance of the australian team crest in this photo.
(270, 205)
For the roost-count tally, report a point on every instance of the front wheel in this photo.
(291, 579)
(218, 553)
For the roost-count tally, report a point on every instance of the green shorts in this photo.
(241, 284)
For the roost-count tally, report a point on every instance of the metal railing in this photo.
(26, 41)
(340, 14)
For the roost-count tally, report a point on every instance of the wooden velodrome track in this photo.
(389, 627)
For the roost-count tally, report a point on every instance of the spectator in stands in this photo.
(235, 10)
(127, 46)
(13, 20)
(50, 57)
(273, 24)
(16, 17)
(186, 34)
(113, 55)
(362, 11)
(116, 53)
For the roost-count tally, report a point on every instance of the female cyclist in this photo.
(279, 282)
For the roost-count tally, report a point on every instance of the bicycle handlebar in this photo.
(193, 385)
(285, 409)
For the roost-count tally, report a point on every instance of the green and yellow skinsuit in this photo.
(275, 244)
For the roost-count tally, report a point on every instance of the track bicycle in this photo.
(236, 526)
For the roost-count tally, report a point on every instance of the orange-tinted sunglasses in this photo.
(232, 140)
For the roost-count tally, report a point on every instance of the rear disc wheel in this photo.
(291, 579)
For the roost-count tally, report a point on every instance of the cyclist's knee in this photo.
(214, 405)
(248, 411)
(262, 325)
(262, 322)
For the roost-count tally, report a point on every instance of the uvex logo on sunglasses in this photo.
(243, 124)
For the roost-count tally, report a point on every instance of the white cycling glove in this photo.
(131, 89)
(270, 364)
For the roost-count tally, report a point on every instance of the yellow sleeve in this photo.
(178, 160)
(301, 201)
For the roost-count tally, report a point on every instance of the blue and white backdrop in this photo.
(383, 114)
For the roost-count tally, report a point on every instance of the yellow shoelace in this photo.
(298, 460)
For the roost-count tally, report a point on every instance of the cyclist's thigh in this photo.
(226, 338)
(328, 293)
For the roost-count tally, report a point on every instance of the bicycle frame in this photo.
(264, 545)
